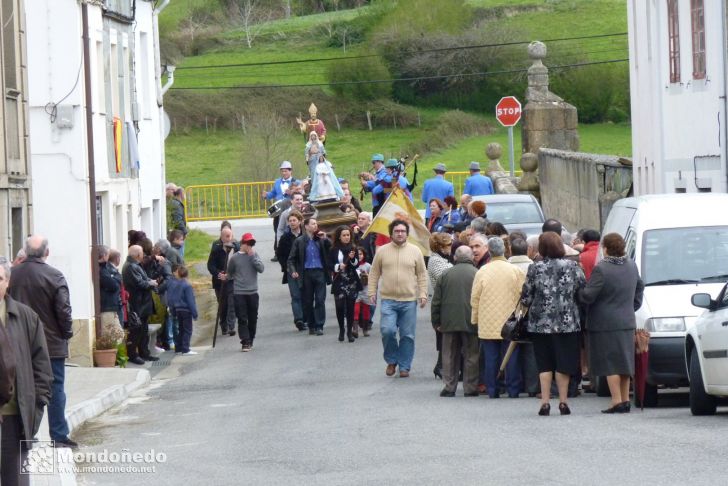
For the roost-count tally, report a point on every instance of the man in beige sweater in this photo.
(401, 268)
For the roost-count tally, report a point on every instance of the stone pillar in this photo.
(529, 180)
(548, 121)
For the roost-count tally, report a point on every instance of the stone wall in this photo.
(579, 189)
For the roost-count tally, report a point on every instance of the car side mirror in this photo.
(702, 300)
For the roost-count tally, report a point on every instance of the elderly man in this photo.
(22, 414)
(110, 290)
(44, 289)
(496, 291)
(169, 192)
(451, 314)
(366, 242)
(401, 268)
(217, 266)
(138, 284)
(478, 184)
(479, 244)
(436, 188)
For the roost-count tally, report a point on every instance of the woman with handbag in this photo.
(553, 318)
(346, 284)
(613, 294)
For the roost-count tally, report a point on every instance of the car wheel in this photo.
(700, 402)
(601, 386)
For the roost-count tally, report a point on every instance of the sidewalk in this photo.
(89, 393)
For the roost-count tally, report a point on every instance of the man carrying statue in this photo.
(313, 124)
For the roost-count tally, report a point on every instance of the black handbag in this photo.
(516, 327)
(133, 321)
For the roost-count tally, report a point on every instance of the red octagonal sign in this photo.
(508, 111)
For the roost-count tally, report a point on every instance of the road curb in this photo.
(110, 397)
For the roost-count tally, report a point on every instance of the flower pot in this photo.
(105, 358)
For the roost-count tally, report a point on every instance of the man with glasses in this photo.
(401, 268)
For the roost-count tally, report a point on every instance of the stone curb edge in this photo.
(104, 400)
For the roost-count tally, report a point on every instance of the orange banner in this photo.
(118, 126)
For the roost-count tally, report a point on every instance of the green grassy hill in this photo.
(223, 153)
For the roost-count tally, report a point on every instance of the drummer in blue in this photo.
(437, 187)
(477, 184)
(380, 173)
(280, 191)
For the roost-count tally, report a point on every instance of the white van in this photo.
(680, 245)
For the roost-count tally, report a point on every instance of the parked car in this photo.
(515, 211)
(706, 352)
(680, 245)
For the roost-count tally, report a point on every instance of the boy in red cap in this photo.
(243, 269)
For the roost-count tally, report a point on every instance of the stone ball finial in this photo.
(537, 50)
(529, 162)
(494, 151)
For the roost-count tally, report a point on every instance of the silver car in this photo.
(515, 211)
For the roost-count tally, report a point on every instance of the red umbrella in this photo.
(641, 350)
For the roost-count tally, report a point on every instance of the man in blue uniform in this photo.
(437, 187)
(369, 186)
(477, 184)
(280, 191)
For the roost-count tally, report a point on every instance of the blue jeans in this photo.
(296, 306)
(398, 316)
(172, 328)
(314, 297)
(493, 352)
(57, 425)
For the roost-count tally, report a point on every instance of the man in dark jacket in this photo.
(139, 285)
(110, 290)
(309, 265)
(451, 315)
(22, 415)
(217, 266)
(44, 289)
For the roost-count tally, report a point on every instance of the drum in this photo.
(278, 207)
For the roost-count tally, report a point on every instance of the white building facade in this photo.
(678, 83)
(128, 142)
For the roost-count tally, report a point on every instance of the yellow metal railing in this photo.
(227, 201)
(458, 179)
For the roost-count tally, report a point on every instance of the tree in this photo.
(252, 14)
(264, 143)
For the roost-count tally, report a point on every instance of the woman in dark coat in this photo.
(346, 284)
(285, 243)
(614, 293)
(553, 317)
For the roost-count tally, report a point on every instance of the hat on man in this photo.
(377, 158)
(391, 163)
(286, 165)
(440, 168)
(475, 166)
(248, 238)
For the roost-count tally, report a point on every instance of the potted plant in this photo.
(106, 348)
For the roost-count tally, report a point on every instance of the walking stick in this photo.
(511, 347)
(217, 323)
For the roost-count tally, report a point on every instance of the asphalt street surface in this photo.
(303, 409)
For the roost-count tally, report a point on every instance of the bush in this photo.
(352, 71)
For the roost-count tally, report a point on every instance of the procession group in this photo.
(580, 313)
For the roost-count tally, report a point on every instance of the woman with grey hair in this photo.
(496, 291)
(613, 294)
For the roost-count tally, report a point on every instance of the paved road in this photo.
(302, 409)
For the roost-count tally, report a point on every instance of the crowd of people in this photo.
(580, 313)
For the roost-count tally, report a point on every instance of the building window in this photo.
(697, 17)
(673, 34)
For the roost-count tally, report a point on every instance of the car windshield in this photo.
(514, 213)
(676, 256)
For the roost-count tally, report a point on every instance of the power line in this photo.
(438, 49)
(378, 81)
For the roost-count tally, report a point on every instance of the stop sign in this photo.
(508, 111)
